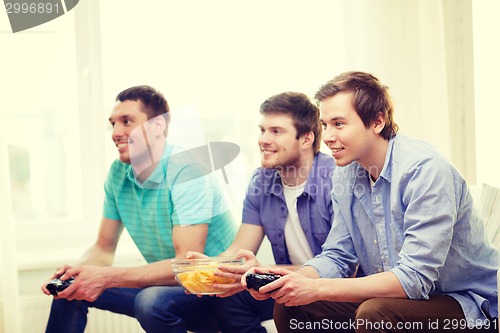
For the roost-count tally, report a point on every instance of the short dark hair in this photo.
(370, 98)
(153, 103)
(304, 113)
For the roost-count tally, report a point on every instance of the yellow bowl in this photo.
(197, 275)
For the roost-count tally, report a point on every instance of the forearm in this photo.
(102, 252)
(360, 289)
(230, 251)
(249, 237)
(308, 271)
(155, 274)
(96, 256)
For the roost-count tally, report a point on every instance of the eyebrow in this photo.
(123, 116)
(334, 119)
(272, 127)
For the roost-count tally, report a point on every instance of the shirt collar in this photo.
(311, 189)
(387, 169)
(158, 176)
(319, 170)
(362, 179)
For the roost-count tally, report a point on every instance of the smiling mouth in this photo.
(267, 152)
(121, 146)
(336, 150)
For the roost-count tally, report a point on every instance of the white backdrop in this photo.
(487, 87)
(224, 57)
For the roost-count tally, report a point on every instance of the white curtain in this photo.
(402, 42)
(487, 74)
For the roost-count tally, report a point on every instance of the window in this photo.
(47, 133)
(40, 122)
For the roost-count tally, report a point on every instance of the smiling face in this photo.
(346, 135)
(278, 141)
(126, 117)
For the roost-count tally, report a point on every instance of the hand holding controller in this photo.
(255, 281)
(56, 285)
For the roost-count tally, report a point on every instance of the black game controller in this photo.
(255, 281)
(55, 286)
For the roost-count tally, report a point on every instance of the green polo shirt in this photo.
(176, 193)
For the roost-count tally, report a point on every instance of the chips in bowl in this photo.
(197, 275)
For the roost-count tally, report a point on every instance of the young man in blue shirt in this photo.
(288, 200)
(168, 205)
(404, 227)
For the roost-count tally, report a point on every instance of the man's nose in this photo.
(264, 138)
(117, 132)
(329, 135)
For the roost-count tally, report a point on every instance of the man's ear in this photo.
(379, 123)
(307, 139)
(158, 126)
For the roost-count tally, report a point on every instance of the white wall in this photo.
(487, 83)
(226, 57)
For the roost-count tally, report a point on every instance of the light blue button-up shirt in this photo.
(417, 221)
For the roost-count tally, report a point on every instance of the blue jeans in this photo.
(242, 313)
(158, 309)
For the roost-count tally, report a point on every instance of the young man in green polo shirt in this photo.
(168, 205)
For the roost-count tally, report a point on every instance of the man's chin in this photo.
(268, 165)
(342, 163)
(124, 159)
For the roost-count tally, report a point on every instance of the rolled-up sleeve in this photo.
(429, 218)
(251, 204)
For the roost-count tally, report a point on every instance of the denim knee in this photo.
(67, 316)
(157, 306)
(149, 302)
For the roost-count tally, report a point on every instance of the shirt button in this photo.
(380, 270)
(375, 241)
